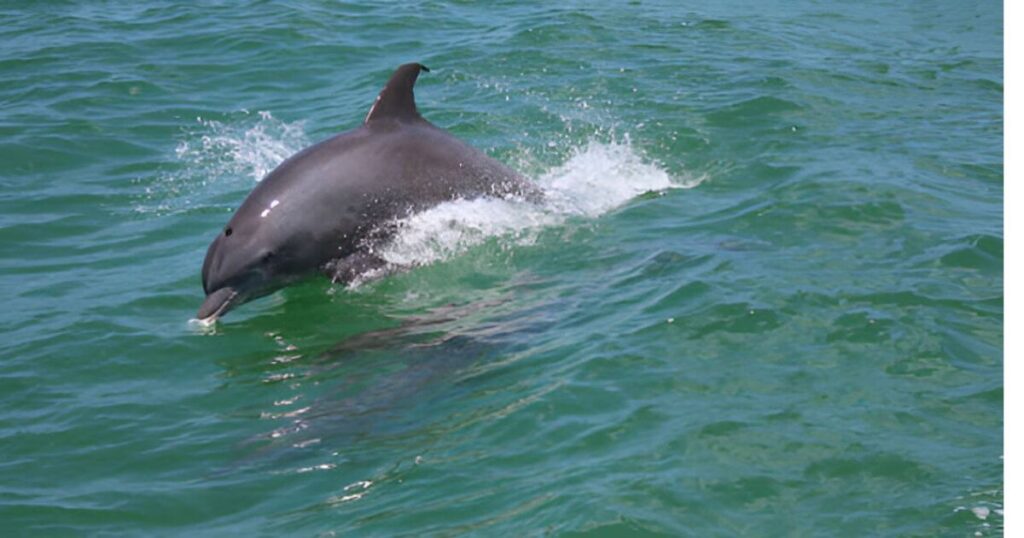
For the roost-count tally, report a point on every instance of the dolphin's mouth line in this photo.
(224, 305)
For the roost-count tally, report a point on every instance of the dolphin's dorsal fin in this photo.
(396, 99)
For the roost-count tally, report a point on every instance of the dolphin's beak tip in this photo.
(206, 322)
(215, 305)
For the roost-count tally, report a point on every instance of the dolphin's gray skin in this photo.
(327, 206)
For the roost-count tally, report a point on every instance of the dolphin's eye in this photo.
(227, 231)
(267, 256)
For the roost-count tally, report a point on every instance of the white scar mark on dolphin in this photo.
(266, 211)
(374, 105)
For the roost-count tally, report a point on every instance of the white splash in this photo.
(214, 156)
(594, 180)
(251, 149)
(601, 177)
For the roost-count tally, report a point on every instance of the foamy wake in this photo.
(595, 179)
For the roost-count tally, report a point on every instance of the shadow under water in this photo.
(385, 386)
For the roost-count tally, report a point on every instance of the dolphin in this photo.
(325, 209)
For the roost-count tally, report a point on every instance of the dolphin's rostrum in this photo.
(325, 208)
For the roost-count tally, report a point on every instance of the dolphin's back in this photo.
(399, 167)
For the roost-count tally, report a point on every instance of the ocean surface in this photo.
(763, 295)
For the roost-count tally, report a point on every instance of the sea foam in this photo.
(595, 179)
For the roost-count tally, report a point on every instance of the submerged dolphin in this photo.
(325, 208)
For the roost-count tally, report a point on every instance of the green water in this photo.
(764, 299)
